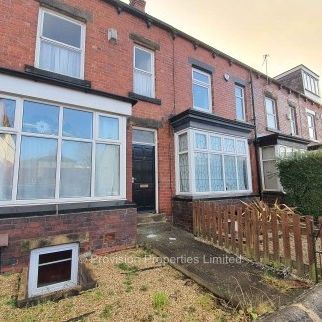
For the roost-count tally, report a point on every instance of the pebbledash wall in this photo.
(108, 66)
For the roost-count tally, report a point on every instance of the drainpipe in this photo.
(259, 175)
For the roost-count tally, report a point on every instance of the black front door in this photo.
(144, 176)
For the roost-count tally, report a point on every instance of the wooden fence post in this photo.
(286, 240)
(298, 243)
(311, 248)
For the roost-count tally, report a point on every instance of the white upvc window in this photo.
(311, 124)
(212, 163)
(53, 269)
(269, 157)
(240, 103)
(311, 84)
(44, 147)
(292, 115)
(60, 44)
(201, 90)
(271, 113)
(144, 78)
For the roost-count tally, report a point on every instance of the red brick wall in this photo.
(283, 97)
(110, 68)
(98, 232)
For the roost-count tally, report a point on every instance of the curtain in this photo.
(107, 173)
(7, 159)
(184, 172)
(216, 173)
(143, 83)
(76, 169)
(59, 59)
(242, 173)
(201, 172)
(230, 173)
(37, 171)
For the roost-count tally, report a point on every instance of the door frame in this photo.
(156, 163)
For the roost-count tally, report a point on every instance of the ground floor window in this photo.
(269, 156)
(51, 152)
(53, 269)
(209, 162)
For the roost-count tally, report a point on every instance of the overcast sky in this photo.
(290, 31)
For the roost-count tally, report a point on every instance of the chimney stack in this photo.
(138, 4)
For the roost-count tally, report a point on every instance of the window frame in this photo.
(17, 131)
(81, 50)
(204, 85)
(311, 84)
(279, 187)
(152, 74)
(33, 289)
(293, 120)
(243, 100)
(274, 115)
(311, 114)
(191, 159)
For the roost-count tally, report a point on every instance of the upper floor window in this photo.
(311, 125)
(201, 90)
(311, 84)
(240, 103)
(60, 44)
(144, 72)
(292, 116)
(271, 114)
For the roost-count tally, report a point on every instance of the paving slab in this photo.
(238, 282)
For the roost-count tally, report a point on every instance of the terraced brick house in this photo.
(106, 110)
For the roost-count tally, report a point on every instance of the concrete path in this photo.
(226, 276)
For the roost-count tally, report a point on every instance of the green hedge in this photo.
(301, 178)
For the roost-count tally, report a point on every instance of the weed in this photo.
(128, 268)
(160, 301)
(144, 288)
(206, 301)
(12, 302)
(107, 312)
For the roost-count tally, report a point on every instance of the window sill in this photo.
(213, 196)
(155, 101)
(59, 77)
(273, 130)
(62, 208)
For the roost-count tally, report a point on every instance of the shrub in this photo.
(301, 178)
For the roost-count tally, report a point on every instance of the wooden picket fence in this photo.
(266, 238)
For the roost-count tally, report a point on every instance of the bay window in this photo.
(208, 163)
(52, 153)
(269, 157)
(60, 44)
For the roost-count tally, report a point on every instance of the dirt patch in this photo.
(132, 286)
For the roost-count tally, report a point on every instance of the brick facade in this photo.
(97, 232)
(109, 68)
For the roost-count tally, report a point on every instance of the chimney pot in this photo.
(138, 4)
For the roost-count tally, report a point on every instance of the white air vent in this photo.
(112, 35)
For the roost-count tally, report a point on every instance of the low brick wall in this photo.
(97, 232)
(182, 209)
